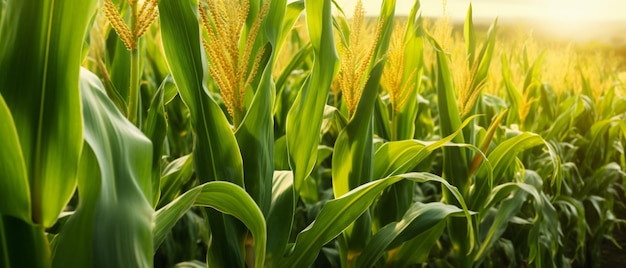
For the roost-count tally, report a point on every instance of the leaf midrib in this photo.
(36, 168)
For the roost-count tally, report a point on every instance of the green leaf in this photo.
(155, 127)
(302, 139)
(216, 152)
(480, 70)
(470, 35)
(255, 135)
(514, 96)
(191, 264)
(353, 153)
(112, 226)
(175, 175)
(455, 165)
(396, 157)
(418, 219)
(280, 217)
(404, 120)
(503, 158)
(14, 187)
(339, 213)
(505, 213)
(22, 244)
(289, 18)
(225, 197)
(40, 56)
(417, 249)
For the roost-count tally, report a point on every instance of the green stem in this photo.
(237, 118)
(133, 93)
(393, 123)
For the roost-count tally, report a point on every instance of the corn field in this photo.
(275, 133)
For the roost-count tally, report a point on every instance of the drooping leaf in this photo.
(225, 197)
(339, 213)
(418, 219)
(112, 226)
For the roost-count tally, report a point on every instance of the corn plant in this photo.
(262, 133)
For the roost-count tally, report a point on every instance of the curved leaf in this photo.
(339, 213)
(418, 219)
(225, 197)
(397, 157)
(112, 226)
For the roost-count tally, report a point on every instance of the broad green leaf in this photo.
(40, 56)
(353, 153)
(513, 95)
(339, 213)
(302, 139)
(191, 264)
(470, 36)
(22, 244)
(155, 128)
(175, 175)
(511, 197)
(507, 210)
(455, 165)
(216, 152)
(396, 157)
(255, 135)
(565, 120)
(82, 223)
(113, 225)
(280, 217)
(417, 249)
(480, 68)
(289, 17)
(295, 62)
(225, 197)
(404, 120)
(503, 158)
(14, 187)
(117, 60)
(418, 219)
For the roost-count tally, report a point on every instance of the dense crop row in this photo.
(234, 133)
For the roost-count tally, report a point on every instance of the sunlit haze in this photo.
(566, 10)
(582, 20)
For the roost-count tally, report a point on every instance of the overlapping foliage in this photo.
(227, 133)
